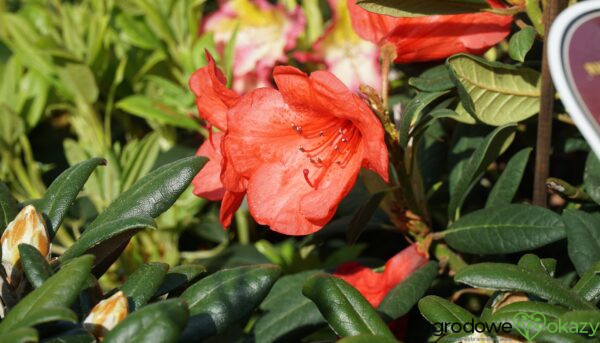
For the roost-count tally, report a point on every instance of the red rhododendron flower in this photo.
(299, 149)
(213, 100)
(375, 286)
(429, 38)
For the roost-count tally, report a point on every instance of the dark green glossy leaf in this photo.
(152, 194)
(508, 277)
(77, 335)
(414, 8)
(589, 284)
(436, 79)
(50, 314)
(521, 42)
(64, 189)
(506, 229)
(486, 153)
(159, 322)
(508, 183)
(225, 297)
(21, 335)
(406, 294)
(345, 309)
(591, 177)
(583, 237)
(142, 284)
(34, 265)
(367, 339)
(535, 264)
(61, 289)
(287, 310)
(439, 310)
(361, 217)
(8, 207)
(179, 276)
(107, 237)
(413, 112)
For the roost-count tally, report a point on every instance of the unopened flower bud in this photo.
(28, 227)
(106, 315)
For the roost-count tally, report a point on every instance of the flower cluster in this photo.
(295, 151)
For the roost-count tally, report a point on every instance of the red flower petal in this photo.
(403, 264)
(369, 283)
(213, 98)
(371, 26)
(207, 183)
(230, 204)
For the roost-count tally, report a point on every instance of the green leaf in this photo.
(413, 111)
(50, 314)
(152, 194)
(414, 8)
(400, 300)
(21, 335)
(225, 297)
(592, 317)
(589, 284)
(583, 237)
(138, 158)
(493, 93)
(61, 289)
(287, 310)
(345, 309)
(521, 42)
(508, 277)
(363, 215)
(159, 322)
(535, 264)
(137, 32)
(80, 82)
(8, 207)
(142, 284)
(439, 310)
(179, 276)
(506, 229)
(63, 191)
(508, 183)
(591, 177)
(153, 109)
(34, 265)
(106, 238)
(482, 157)
(436, 79)
(367, 339)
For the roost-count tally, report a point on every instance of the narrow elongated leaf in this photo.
(142, 284)
(105, 233)
(8, 207)
(345, 309)
(506, 229)
(61, 289)
(436, 79)
(439, 310)
(159, 322)
(152, 109)
(521, 42)
(406, 294)
(583, 237)
(535, 264)
(34, 265)
(288, 311)
(361, 218)
(152, 194)
(64, 189)
(508, 277)
(589, 284)
(50, 314)
(413, 111)
(495, 94)
(226, 297)
(21, 335)
(591, 177)
(414, 8)
(179, 276)
(367, 339)
(508, 183)
(491, 147)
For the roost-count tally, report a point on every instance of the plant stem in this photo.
(544, 133)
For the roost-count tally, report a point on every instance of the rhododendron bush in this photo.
(288, 170)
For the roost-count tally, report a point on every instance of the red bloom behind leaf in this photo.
(213, 100)
(375, 286)
(428, 38)
(300, 148)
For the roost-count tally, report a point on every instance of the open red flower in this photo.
(428, 38)
(375, 286)
(213, 100)
(299, 149)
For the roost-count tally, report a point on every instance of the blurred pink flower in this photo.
(352, 59)
(265, 33)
